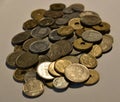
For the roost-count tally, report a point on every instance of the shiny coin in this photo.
(57, 6)
(68, 10)
(33, 88)
(29, 24)
(96, 51)
(77, 73)
(79, 32)
(40, 32)
(60, 83)
(43, 58)
(92, 36)
(61, 21)
(94, 77)
(51, 70)
(61, 64)
(88, 60)
(81, 45)
(65, 31)
(26, 60)
(73, 59)
(42, 71)
(75, 23)
(20, 38)
(39, 46)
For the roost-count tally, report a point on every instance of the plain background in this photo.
(12, 15)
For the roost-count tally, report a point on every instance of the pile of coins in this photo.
(59, 47)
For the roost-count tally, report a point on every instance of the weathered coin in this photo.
(75, 23)
(40, 32)
(82, 45)
(92, 36)
(60, 83)
(68, 10)
(17, 48)
(43, 58)
(49, 83)
(96, 51)
(57, 6)
(79, 32)
(110, 37)
(11, 58)
(20, 38)
(29, 24)
(51, 70)
(72, 15)
(94, 77)
(65, 31)
(39, 46)
(26, 60)
(77, 73)
(88, 60)
(73, 59)
(42, 71)
(72, 38)
(33, 88)
(38, 14)
(90, 20)
(61, 64)
(61, 21)
(54, 26)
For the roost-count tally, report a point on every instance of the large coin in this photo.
(57, 6)
(77, 73)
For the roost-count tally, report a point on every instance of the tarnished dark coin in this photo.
(49, 83)
(61, 21)
(46, 22)
(68, 10)
(79, 32)
(29, 24)
(39, 46)
(57, 6)
(20, 38)
(72, 15)
(26, 60)
(43, 58)
(72, 38)
(40, 32)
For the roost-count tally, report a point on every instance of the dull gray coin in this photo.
(68, 10)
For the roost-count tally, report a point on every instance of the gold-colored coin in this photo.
(82, 45)
(94, 77)
(96, 51)
(17, 48)
(75, 23)
(88, 60)
(49, 83)
(61, 64)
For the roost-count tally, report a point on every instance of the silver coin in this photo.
(39, 46)
(60, 83)
(72, 39)
(39, 32)
(61, 21)
(68, 10)
(77, 73)
(33, 88)
(91, 36)
(42, 71)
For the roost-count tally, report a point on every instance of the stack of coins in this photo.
(59, 47)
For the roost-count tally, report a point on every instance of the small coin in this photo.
(75, 23)
(60, 83)
(61, 21)
(82, 45)
(51, 70)
(17, 48)
(42, 71)
(94, 77)
(57, 6)
(77, 73)
(26, 60)
(96, 51)
(40, 32)
(43, 58)
(39, 46)
(61, 64)
(79, 32)
(33, 88)
(73, 59)
(29, 24)
(20, 38)
(68, 10)
(92, 36)
(88, 60)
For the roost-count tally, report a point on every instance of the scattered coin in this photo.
(43, 58)
(79, 32)
(68, 10)
(61, 21)
(73, 59)
(17, 48)
(57, 6)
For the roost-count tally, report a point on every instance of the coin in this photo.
(57, 6)
(60, 83)
(33, 88)
(79, 32)
(73, 59)
(51, 70)
(94, 77)
(82, 45)
(17, 48)
(68, 10)
(71, 39)
(88, 60)
(39, 46)
(96, 51)
(43, 58)
(49, 83)
(40, 32)
(72, 15)
(77, 73)
(61, 21)
(92, 36)
(42, 71)
(75, 52)
(29, 24)
(61, 64)
(20, 38)
(26, 60)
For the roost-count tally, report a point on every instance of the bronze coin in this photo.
(57, 6)
(79, 32)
